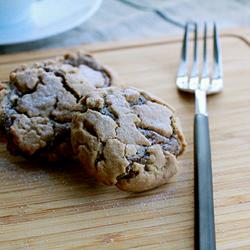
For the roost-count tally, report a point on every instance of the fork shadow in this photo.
(185, 96)
(189, 98)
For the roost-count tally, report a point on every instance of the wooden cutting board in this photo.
(55, 206)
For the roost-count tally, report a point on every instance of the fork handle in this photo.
(204, 207)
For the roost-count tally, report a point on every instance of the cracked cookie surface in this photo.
(128, 138)
(37, 108)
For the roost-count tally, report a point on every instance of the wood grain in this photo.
(56, 206)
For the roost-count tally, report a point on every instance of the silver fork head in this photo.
(190, 82)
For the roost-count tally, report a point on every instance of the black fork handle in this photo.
(204, 207)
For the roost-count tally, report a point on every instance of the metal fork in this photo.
(202, 86)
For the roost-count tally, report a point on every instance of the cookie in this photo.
(37, 108)
(3, 93)
(126, 137)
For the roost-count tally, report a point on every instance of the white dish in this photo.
(49, 17)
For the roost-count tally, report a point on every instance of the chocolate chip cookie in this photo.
(127, 138)
(4, 86)
(37, 108)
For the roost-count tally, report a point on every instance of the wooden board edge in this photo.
(243, 34)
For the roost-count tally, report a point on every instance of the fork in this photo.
(202, 86)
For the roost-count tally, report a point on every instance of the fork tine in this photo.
(182, 75)
(194, 79)
(217, 81)
(205, 63)
(205, 81)
(217, 55)
(185, 44)
(195, 68)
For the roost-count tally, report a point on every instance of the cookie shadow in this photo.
(68, 174)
